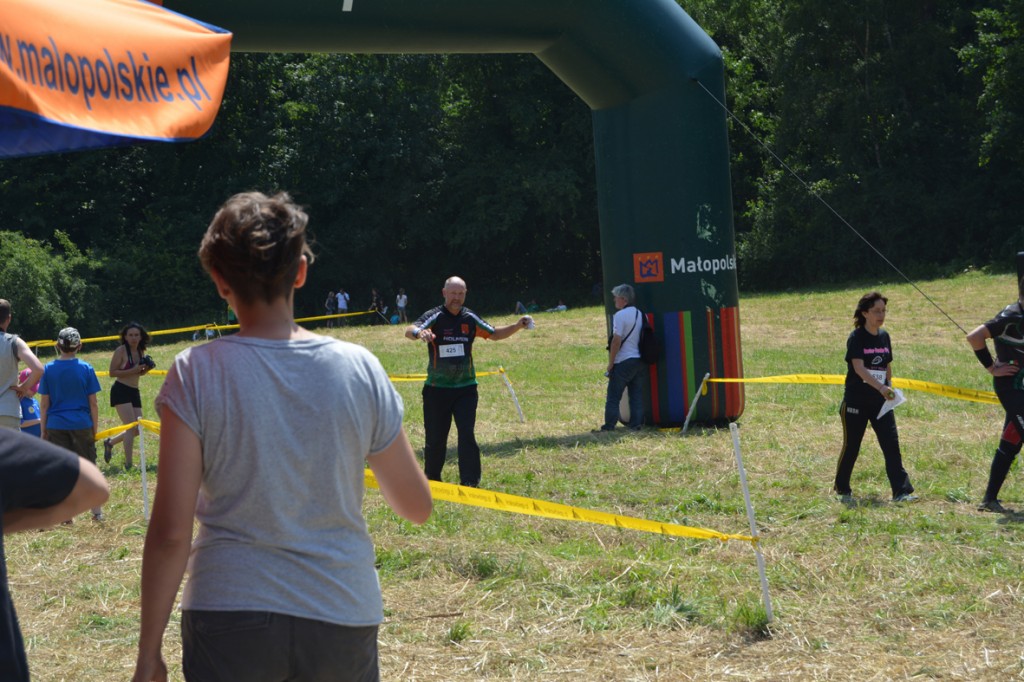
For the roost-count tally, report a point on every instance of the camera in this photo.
(147, 362)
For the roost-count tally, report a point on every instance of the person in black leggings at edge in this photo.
(1007, 331)
(868, 386)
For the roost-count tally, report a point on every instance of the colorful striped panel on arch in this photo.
(707, 341)
(100, 73)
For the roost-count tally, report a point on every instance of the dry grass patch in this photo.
(873, 591)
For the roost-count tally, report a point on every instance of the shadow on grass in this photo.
(118, 470)
(865, 502)
(1011, 517)
(512, 447)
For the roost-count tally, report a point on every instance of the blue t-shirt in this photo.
(69, 385)
(30, 412)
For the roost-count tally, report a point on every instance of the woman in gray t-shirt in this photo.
(282, 582)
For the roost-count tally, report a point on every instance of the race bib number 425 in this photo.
(453, 350)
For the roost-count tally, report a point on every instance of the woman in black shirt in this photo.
(868, 386)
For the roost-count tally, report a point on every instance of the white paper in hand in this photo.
(890, 405)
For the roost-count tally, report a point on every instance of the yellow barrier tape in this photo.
(335, 316)
(398, 378)
(944, 390)
(147, 424)
(477, 497)
(193, 328)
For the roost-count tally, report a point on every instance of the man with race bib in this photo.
(450, 389)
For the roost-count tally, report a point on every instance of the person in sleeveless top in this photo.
(126, 366)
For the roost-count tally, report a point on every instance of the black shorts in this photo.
(121, 394)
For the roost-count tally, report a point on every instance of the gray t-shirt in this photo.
(10, 404)
(285, 428)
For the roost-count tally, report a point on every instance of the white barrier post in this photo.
(753, 524)
(508, 384)
(142, 465)
(693, 405)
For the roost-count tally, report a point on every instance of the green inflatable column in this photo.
(667, 230)
(664, 195)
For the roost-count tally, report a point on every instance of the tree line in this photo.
(905, 118)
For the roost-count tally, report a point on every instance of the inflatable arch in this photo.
(661, 145)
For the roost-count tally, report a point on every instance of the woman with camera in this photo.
(126, 366)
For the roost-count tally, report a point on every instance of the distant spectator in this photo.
(331, 306)
(377, 307)
(401, 302)
(128, 363)
(13, 349)
(530, 307)
(625, 370)
(343, 301)
(560, 308)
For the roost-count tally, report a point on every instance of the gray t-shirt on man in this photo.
(285, 428)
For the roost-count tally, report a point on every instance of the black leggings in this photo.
(1012, 400)
(855, 420)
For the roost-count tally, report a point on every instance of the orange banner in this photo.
(79, 74)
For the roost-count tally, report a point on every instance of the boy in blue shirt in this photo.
(69, 411)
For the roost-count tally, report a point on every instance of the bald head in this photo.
(454, 293)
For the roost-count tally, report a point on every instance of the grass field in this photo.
(874, 591)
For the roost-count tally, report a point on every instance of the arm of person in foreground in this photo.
(90, 491)
(26, 355)
(168, 539)
(510, 329)
(94, 412)
(401, 481)
(44, 407)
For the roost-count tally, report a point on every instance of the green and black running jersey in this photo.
(1007, 329)
(451, 352)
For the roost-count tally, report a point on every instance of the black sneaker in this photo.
(905, 497)
(992, 506)
(108, 450)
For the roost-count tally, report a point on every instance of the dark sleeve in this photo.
(421, 321)
(997, 325)
(33, 472)
(854, 350)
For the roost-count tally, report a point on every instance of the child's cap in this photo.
(23, 374)
(69, 338)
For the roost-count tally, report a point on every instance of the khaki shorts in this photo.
(78, 441)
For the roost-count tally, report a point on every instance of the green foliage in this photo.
(47, 287)
(905, 117)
